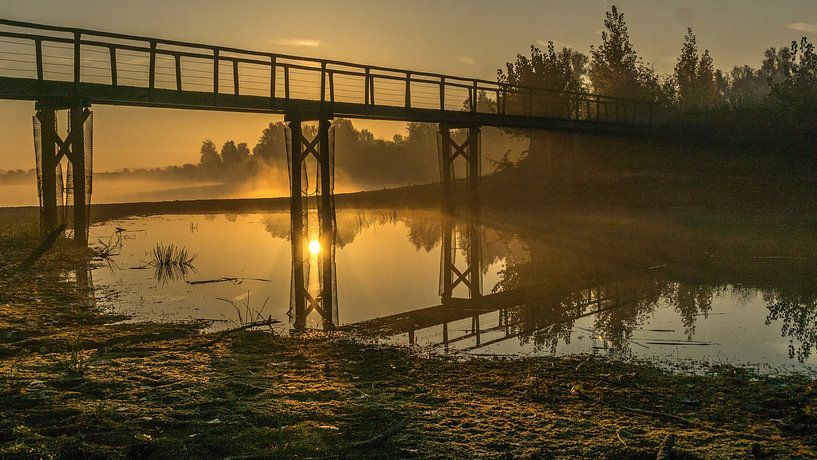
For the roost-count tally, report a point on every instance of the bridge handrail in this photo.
(578, 104)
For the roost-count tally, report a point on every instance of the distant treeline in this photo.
(773, 104)
(362, 161)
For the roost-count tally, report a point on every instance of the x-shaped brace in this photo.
(462, 277)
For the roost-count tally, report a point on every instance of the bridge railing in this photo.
(53, 53)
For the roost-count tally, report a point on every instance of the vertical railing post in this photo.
(77, 60)
(366, 77)
(474, 97)
(323, 82)
(442, 95)
(272, 77)
(114, 72)
(286, 83)
(215, 71)
(178, 72)
(236, 81)
(372, 99)
(331, 87)
(408, 91)
(38, 48)
(152, 66)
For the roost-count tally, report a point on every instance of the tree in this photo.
(686, 71)
(229, 153)
(795, 93)
(699, 85)
(209, 155)
(272, 143)
(243, 153)
(747, 87)
(707, 82)
(614, 65)
(556, 73)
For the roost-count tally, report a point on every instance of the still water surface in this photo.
(388, 263)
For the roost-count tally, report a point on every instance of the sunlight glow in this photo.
(314, 247)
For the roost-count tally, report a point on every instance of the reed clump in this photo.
(171, 255)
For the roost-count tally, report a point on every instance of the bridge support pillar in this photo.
(313, 246)
(449, 150)
(77, 147)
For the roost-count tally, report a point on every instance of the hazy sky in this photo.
(467, 37)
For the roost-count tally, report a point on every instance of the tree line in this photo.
(787, 76)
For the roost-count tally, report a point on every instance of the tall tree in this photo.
(272, 143)
(229, 153)
(556, 73)
(796, 92)
(209, 155)
(686, 72)
(614, 65)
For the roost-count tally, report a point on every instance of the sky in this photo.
(462, 37)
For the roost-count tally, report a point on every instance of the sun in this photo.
(314, 246)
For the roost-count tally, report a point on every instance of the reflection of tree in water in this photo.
(692, 302)
(548, 312)
(423, 233)
(797, 313)
(633, 301)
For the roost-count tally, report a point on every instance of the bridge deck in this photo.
(52, 64)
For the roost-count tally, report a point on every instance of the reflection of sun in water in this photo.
(314, 246)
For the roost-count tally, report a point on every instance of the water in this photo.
(559, 293)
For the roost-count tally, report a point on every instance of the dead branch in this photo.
(223, 334)
(391, 431)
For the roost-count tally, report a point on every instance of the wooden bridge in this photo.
(43, 62)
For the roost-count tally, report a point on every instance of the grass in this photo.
(247, 314)
(170, 255)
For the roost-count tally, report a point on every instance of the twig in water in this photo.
(220, 337)
(216, 280)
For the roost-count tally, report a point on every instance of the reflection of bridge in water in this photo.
(494, 317)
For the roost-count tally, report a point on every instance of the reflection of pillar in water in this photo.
(451, 275)
(312, 230)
